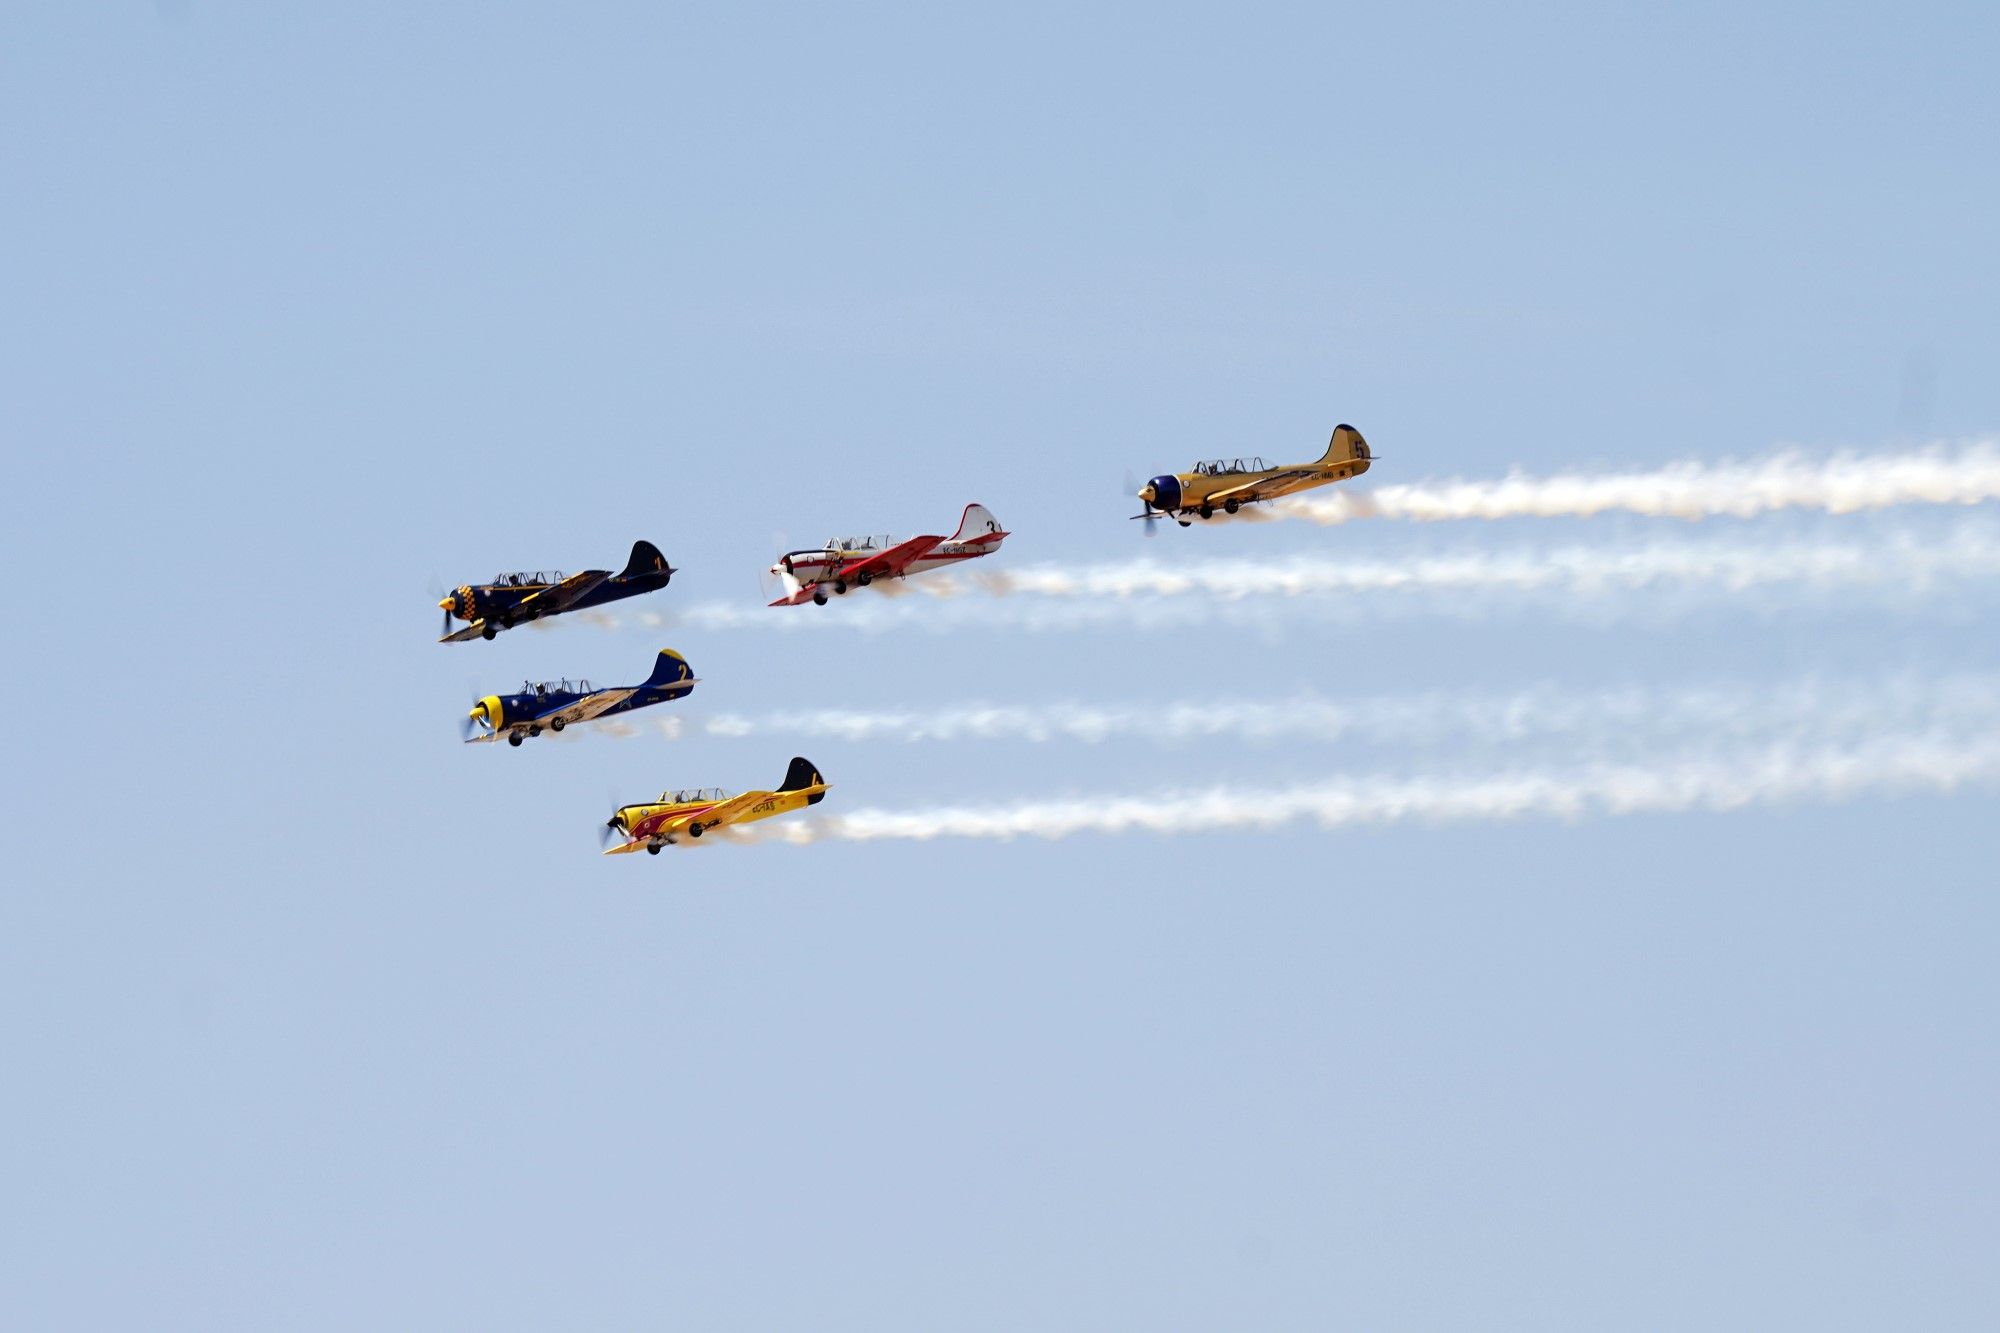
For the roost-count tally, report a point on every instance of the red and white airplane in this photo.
(856, 562)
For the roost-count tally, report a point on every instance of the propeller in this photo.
(607, 831)
(1151, 515)
(468, 725)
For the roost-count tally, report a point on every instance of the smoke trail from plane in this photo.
(1657, 576)
(1942, 474)
(1927, 763)
(1625, 717)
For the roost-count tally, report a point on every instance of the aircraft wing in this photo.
(561, 596)
(584, 709)
(472, 631)
(725, 812)
(1268, 487)
(636, 845)
(895, 560)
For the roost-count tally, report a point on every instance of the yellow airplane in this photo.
(1230, 483)
(656, 824)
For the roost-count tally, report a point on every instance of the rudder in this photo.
(802, 775)
(977, 523)
(669, 669)
(646, 559)
(1347, 446)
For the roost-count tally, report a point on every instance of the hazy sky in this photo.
(315, 1018)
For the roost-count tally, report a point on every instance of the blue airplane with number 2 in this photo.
(552, 705)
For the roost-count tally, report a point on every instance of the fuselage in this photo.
(520, 711)
(824, 564)
(498, 602)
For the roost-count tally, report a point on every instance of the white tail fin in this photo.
(978, 525)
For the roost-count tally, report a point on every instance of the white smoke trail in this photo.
(1890, 766)
(1630, 716)
(1961, 473)
(1912, 563)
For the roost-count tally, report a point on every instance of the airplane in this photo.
(515, 599)
(554, 704)
(1230, 483)
(660, 823)
(846, 562)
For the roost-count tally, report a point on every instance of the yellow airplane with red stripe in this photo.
(1230, 483)
(655, 824)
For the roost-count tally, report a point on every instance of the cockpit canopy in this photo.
(526, 579)
(1226, 467)
(693, 795)
(879, 542)
(562, 686)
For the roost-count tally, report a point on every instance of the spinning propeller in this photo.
(1144, 493)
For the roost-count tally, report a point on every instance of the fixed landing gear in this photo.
(819, 599)
(557, 724)
(694, 830)
(652, 849)
(839, 587)
(513, 738)
(1231, 506)
(487, 632)
(1207, 512)
(1183, 522)
(864, 578)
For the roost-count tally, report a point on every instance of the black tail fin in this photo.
(646, 559)
(802, 775)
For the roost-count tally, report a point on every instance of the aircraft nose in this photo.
(1149, 492)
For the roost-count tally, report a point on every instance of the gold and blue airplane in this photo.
(656, 824)
(515, 599)
(554, 704)
(1230, 483)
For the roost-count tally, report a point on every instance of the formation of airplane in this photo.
(1230, 483)
(807, 576)
(516, 599)
(652, 825)
(553, 705)
(856, 562)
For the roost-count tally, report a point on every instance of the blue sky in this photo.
(316, 1018)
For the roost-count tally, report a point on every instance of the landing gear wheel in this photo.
(1231, 506)
(533, 731)
(506, 622)
(487, 632)
(819, 599)
(864, 578)
(557, 725)
(694, 830)
(513, 738)
(652, 849)
(839, 587)
(1207, 512)
(1183, 522)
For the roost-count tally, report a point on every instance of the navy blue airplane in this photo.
(554, 704)
(515, 599)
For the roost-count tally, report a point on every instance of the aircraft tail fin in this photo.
(646, 559)
(1347, 446)
(802, 775)
(669, 670)
(978, 524)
